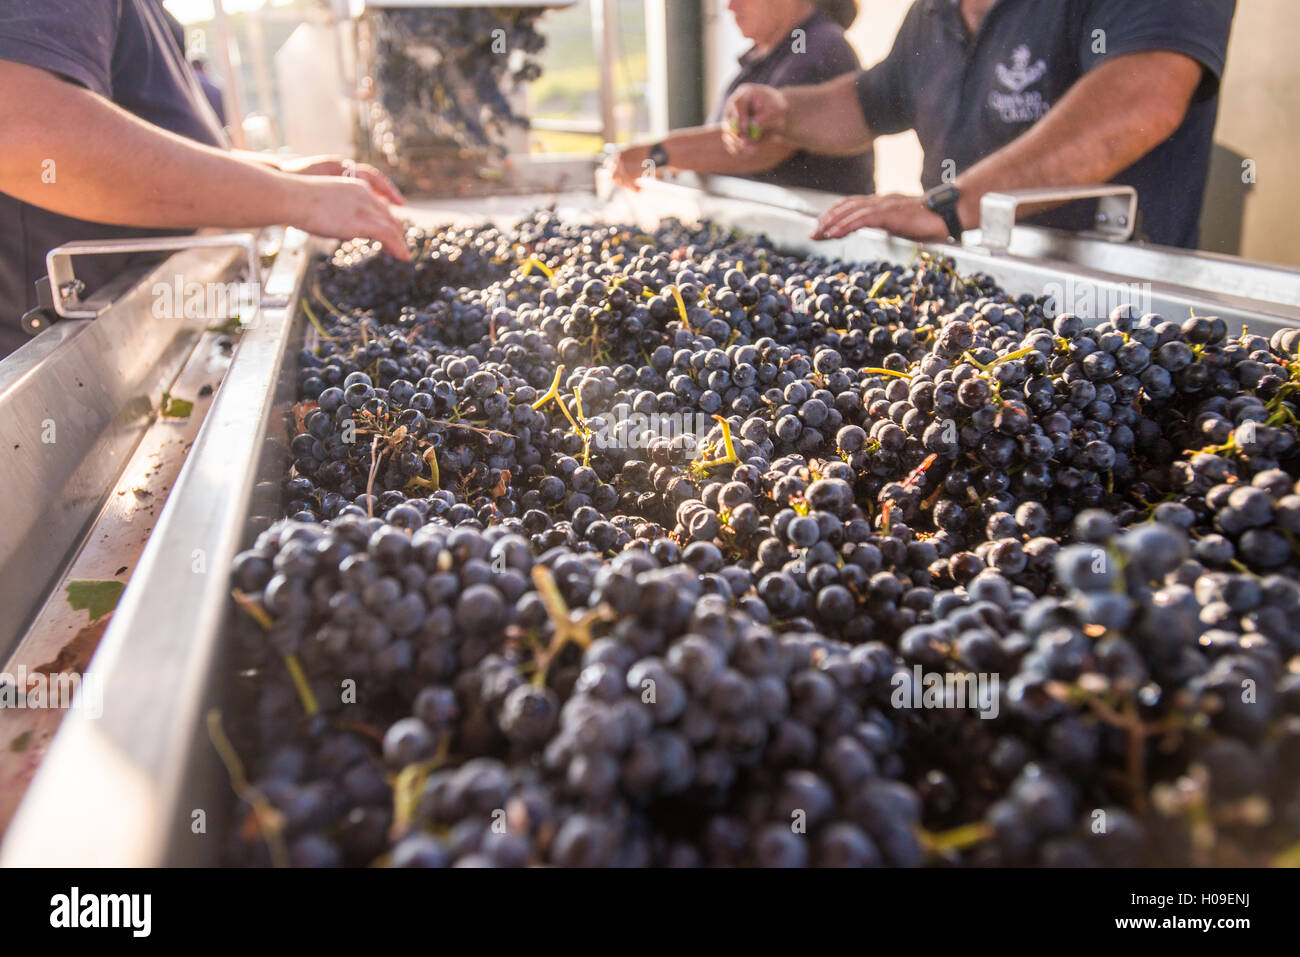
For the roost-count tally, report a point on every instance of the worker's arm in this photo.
(329, 165)
(826, 118)
(1108, 120)
(1105, 123)
(254, 156)
(71, 151)
(700, 150)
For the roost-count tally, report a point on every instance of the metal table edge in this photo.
(137, 751)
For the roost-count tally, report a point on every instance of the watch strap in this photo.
(943, 200)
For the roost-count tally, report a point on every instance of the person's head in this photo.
(843, 12)
(765, 22)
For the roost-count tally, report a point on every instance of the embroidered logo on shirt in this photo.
(1020, 74)
(1019, 106)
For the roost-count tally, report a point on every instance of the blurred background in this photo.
(616, 70)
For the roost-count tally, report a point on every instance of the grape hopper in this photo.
(649, 654)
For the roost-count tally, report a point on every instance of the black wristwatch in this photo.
(943, 200)
(659, 156)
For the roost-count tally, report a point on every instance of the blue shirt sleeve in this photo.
(1196, 28)
(885, 90)
(72, 38)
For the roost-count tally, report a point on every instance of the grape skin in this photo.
(938, 476)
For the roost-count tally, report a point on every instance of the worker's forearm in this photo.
(270, 160)
(827, 118)
(100, 163)
(1106, 122)
(701, 150)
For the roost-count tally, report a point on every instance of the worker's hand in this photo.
(342, 166)
(752, 114)
(901, 215)
(343, 208)
(629, 165)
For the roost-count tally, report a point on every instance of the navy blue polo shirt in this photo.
(818, 54)
(127, 51)
(966, 97)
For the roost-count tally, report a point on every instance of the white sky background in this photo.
(197, 11)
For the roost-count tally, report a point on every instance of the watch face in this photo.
(943, 201)
(943, 196)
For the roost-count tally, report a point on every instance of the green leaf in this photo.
(230, 327)
(174, 408)
(98, 598)
(21, 742)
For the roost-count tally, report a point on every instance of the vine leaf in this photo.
(98, 598)
(174, 408)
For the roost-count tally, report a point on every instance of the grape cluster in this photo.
(613, 548)
(442, 76)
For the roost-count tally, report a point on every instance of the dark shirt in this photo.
(213, 94)
(820, 54)
(967, 97)
(126, 51)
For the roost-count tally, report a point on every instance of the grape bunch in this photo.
(607, 547)
(443, 76)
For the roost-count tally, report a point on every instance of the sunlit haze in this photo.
(197, 11)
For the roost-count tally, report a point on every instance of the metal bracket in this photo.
(37, 320)
(1116, 211)
(67, 288)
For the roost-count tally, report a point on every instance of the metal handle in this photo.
(66, 288)
(1116, 213)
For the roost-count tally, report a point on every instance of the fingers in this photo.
(731, 111)
(743, 142)
(379, 223)
(627, 170)
(896, 214)
(764, 117)
(392, 234)
(737, 142)
(343, 208)
(380, 183)
(389, 233)
(732, 142)
(833, 223)
(852, 223)
(753, 114)
(740, 125)
(622, 175)
(393, 240)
